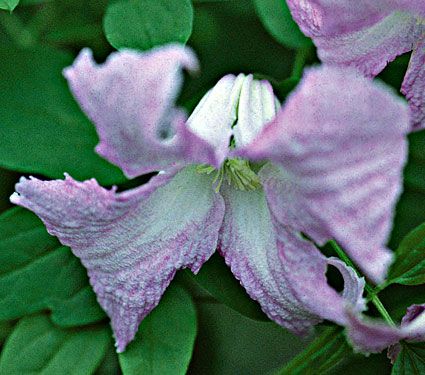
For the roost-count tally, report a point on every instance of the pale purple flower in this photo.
(369, 336)
(239, 175)
(368, 34)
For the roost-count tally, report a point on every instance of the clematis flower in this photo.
(369, 336)
(368, 34)
(240, 175)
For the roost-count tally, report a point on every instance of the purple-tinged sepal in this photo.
(130, 99)
(338, 148)
(131, 243)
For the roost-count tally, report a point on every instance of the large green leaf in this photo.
(229, 343)
(277, 19)
(8, 4)
(325, 352)
(5, 329)
(37, 346)
(143, 24)
(42, 129)
(217, 279)
(411, 207)
(165, 339)
(37, 273)
(409, 265)
(411, 360)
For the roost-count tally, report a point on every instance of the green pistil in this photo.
(237, 172)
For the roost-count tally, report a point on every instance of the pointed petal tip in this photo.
(84, 57)
(15, 198)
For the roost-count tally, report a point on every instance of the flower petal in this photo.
(238, 106)
(133, 242)
(257, 106)
(287, 275)
(130, 100)
(413, 323)
(306, 272)
(371, 336)
(365, 34)
(213, 117)
(414, 85)
(340, 144)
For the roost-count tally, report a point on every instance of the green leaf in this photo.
(8, 4)
(143, 24)
(5, 329)
(42, 129)
(409, 265)
(217, 279)
(165, 339)
(37, 346)
(410, 210)
(33, 2)
(325, 352)
(411, 360)
(277, 19)
(37, 273)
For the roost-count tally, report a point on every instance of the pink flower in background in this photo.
(367, 35)
(240, 175)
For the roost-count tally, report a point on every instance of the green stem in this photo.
(299, 62)
(372, 292)
(382, 310)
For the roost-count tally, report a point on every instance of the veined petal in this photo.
(365, 34)
(332, 17)
(372, 336)
(130, 100)
(370, 49)
(336, 17)
(286, 275)
(414, 85)
(133, 242)
(340, 147)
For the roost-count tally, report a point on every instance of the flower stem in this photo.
(300, 59)
(372, 292)
(381, 308)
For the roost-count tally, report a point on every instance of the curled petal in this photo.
(365, 34)
(306, 272)
(284, 273)
(413, 323)
(370, 336)
(339, 147)
(133, 242)
(414, 85)
(130, 100)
